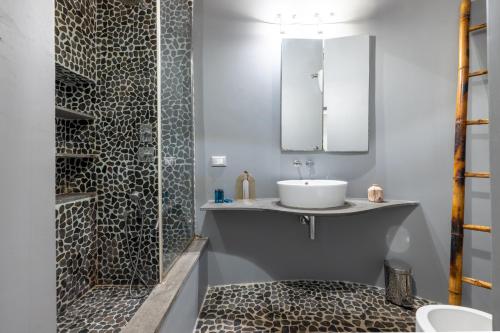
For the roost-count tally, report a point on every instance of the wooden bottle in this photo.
(239, 186)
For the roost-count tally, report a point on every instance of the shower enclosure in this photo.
(176, 129)
(124, 150)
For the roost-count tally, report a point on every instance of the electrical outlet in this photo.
(219, 161)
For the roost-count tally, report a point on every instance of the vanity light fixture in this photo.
(303, 20)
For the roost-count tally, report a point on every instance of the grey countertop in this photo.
(351, 207)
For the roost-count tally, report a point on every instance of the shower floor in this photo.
(102, 309)
(303, 306)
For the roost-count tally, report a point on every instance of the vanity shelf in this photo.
(353, 206)
(67, 114)
(73, 197)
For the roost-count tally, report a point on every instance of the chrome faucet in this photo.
(310, 167)
(297, 164)
(309, 164)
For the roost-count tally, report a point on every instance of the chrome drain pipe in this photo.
(310, 221)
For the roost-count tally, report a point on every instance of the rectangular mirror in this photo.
(325, 94)
(301, 97)
(346, 99)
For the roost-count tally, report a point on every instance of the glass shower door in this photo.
(177, 129)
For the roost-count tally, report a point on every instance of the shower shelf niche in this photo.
(67, 114)
(69, 76)
(72, 197)
(76, 151)
(353, 206)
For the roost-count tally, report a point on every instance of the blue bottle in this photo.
(219, 196)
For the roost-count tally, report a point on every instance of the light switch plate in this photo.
(219, 161)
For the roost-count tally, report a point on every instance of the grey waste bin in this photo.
(398, 283)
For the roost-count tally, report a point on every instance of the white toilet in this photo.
(451, 318)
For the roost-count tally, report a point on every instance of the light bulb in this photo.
(282, 28)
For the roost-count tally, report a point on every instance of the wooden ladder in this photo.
(459, 173)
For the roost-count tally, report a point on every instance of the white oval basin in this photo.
(452, 318)
(312, 194)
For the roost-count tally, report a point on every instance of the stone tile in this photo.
(76, 253)
(303, 306)
(102, 309)
(126, 96)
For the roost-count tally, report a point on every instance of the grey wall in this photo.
(494, 86)
(182, 316)
(411, 148)
(27, 147)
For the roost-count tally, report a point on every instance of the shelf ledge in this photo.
(62, 199)
(353, 206)
(69, 76)
(67, 114)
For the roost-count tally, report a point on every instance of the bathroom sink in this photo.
(312, 194)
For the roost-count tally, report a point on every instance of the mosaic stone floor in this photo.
(302, 306)
(102, 309)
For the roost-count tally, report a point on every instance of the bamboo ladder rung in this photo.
(477, 175)
(478, 73)
(477, 283)
(477, 122)
(477, 27)
(475, 227)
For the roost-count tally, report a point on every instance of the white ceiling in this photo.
(267, 10)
